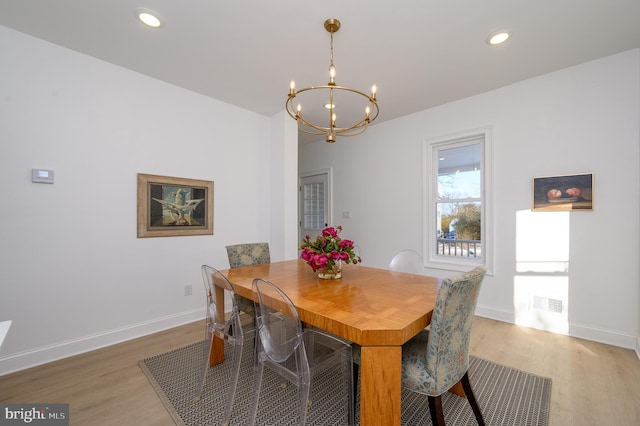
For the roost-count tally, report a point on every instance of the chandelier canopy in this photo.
(333, 97)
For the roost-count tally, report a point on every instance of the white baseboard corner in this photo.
(602, 335)
(45, 354)
(582, 331)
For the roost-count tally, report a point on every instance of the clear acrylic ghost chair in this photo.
(407, 261)
(292, 352)
(358, 251)
(217, 287)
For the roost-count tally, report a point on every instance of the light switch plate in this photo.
(41, 176)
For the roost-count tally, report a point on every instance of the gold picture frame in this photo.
(172, 206)
(563, 193)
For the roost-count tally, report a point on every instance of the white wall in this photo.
(73, 275)
(584, 119)
(284, 188)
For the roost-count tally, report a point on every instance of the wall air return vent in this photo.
(547, 304)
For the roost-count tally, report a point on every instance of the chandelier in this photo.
(333, 99)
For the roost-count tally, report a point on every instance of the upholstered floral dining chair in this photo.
(246, 255)
(437, 358)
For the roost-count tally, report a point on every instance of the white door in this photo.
(314, 204)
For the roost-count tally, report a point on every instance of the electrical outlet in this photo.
(187, 290)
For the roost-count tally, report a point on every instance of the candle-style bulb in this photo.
(332, 75)
(374, 89)
(292, 88)
(367, 111)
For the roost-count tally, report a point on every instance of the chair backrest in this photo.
(278, 322)
(248, 254)
(450, 333)
(407, 261)
(218, 286)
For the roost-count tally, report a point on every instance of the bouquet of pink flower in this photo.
(328, 248)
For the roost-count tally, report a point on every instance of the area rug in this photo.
(506, 396)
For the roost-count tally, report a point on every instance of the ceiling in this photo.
(419, 53)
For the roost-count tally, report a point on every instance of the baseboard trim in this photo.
(609, 337)
(498, 315)
(45, 354)
(581, 331)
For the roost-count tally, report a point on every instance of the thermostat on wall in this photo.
(41, 176)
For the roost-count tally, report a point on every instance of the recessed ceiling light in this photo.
(498, 38)
(149, 17)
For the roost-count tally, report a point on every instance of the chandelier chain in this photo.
(331, 61)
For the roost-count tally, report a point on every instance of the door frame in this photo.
(329, 196)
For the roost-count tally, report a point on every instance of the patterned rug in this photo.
(506, 396)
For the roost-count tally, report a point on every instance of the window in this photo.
(457, 225)
(313, 205)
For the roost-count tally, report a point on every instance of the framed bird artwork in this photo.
(172, 206)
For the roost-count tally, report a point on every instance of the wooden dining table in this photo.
(375, 308)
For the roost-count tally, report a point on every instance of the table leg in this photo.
(216, 354)
(458, 390)
(380, 385)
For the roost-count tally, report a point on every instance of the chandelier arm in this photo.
(302, 122)
(347, 89)
(341, 133)
(321, 130)
(302, 129)
(361, 124)
(374, 102)
(360, 131)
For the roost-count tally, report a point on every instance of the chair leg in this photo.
(352, 390)
(356, 375)
(304, 391)
(233, 384)
(435, 407)
(205, 366)
(466, 385)
(257, 384)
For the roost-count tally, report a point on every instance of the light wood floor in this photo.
(593, 384)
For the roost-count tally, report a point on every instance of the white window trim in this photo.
(430, 187)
